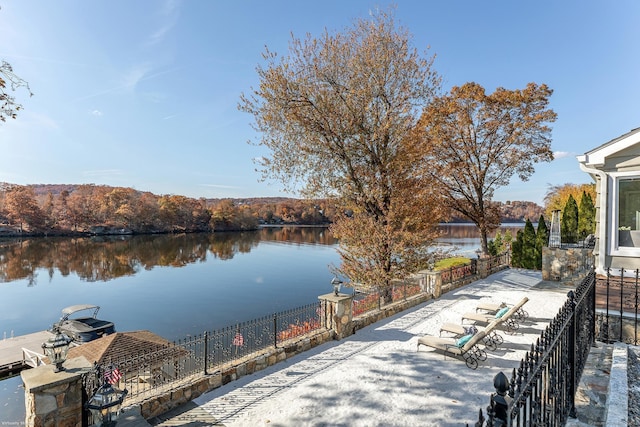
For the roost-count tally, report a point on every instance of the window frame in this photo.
(614, 203)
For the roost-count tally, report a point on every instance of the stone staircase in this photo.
(602, 396)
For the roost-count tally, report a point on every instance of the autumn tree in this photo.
(474, 143)
(82, 207)
(226, 216)
(335, 115)
(22, 209)
(9, 81)
(557, 196)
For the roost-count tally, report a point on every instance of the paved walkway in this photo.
(377, 378)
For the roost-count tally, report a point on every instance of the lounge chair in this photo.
(491, 340)
(493, 308)
(509, 321)
(469, 351)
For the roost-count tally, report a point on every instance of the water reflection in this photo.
(464, 239)
(107, 258)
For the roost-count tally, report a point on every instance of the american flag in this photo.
(112, 375)
(238, 340)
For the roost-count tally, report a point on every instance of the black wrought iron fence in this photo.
(364, 302)
(576, 240)
(404, 290)
(541, 392)
(454, 274)
(617, 306)
(149, 371)
(497, 262)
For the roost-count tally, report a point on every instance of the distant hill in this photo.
(512, 211)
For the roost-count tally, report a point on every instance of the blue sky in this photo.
(144, 93)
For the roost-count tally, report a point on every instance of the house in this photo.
(615, 168)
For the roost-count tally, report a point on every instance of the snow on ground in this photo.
(378, 378)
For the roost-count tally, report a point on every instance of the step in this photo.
(602, 395)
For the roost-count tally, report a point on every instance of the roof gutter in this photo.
(603, 210)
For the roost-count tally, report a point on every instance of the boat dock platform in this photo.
(17, 353)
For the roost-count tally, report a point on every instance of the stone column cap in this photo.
(332, 297)
(44, 377)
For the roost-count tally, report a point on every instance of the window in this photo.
(629, 213)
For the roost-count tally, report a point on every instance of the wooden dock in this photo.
(19, 352)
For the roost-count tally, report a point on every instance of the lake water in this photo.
(172, 285)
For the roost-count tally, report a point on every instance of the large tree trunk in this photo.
(484, 244)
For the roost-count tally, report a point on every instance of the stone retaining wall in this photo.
(559, 264)
(610, 332)
(161, 403)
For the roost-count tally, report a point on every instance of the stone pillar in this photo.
(337, 313)
(433, 283)
(483, 268)
(55, 398)
(421, 278)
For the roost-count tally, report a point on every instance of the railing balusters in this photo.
(542, 389)
(621, 301)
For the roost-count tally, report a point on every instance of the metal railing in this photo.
(365, 301)
(617, 307)
(542, 390)
(573, 240)
(402, 291)
(495, 263)
(162, 367)
(455, 274)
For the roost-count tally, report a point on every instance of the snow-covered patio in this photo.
(378, 378)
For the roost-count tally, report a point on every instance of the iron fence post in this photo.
(621, 302)
(572, 354)
(593, 307)
(275, 330)
(206, 351)
(499, 404)
(605, 335)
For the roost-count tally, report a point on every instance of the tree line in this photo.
(49, 209)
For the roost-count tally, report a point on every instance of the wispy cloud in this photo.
(135, 75)
(169, 16)
(130, 79)
(226, 187)
(96, 113)
(562, 154)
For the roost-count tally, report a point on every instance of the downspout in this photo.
(603, 224)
